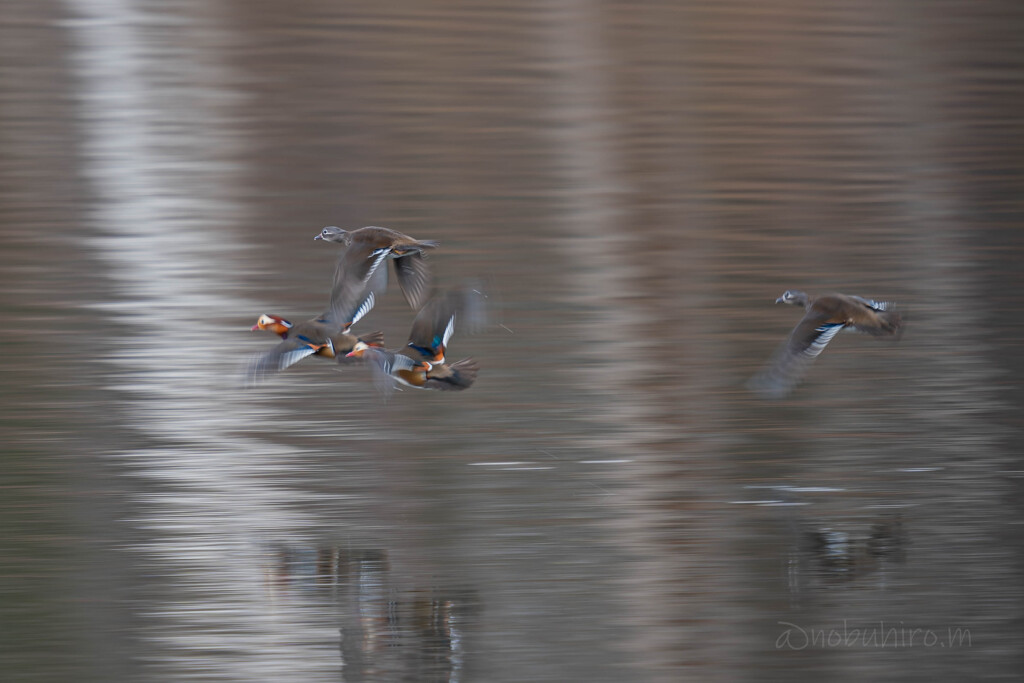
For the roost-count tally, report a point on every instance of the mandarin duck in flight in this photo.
(328, 335)
(825, 317)
(367, 248)
(421, 363)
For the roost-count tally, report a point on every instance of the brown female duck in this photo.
(367, 248)
(825, 316)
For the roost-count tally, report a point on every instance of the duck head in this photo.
(272, 323)
(792, 297)
(358, 350)
(334, 234)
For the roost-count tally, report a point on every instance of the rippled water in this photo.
(636, 183)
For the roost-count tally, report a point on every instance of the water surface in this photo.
(636, 184)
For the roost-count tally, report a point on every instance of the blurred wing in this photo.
(789, 364)
(873, 305)
(363, 309)
(448, 330)
(477, 302)
(383, 364)
(356, 281)
(884, 324)
(414, 278)
(435, 324)
(389, 362)
(377, 280)
(811, 339)
(287, 353)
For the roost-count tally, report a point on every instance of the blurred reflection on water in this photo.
(639, 182)
(384, 631)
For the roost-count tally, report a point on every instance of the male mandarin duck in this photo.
(327, 335)
(368, 247)
(825, 316)
(421, 363)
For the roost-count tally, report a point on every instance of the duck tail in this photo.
(463, 374)
(892, 323)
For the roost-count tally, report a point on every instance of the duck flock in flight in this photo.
(360, 276)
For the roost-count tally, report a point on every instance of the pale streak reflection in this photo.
(157, 152)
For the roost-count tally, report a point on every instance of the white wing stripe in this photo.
(294, 356)
(876, 305)
(825, 334)
(363, 309)
(381, 254)
(401, 362)
(390, 363)
(448, 331)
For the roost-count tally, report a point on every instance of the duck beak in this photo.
(319, 236)
(780, 300)
(254, 327)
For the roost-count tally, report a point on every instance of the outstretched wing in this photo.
(358, 277)
(363, 309)
(432, 330)
(880, 321)
(413, 275)
(383, 365)
(873, 305)
(434, 325)
(810, 337)
(287, 353)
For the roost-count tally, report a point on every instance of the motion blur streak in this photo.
(157, 152)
